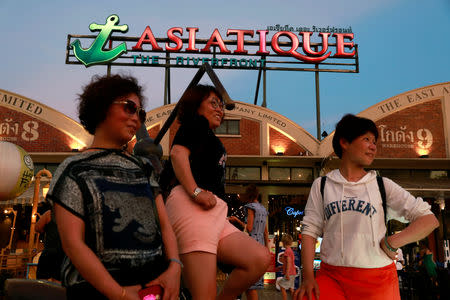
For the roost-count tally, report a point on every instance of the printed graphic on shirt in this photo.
(223, 160)
(128, 214)
(349, 204)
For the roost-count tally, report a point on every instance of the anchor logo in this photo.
(95, 53)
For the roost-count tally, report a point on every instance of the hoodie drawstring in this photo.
(342, 223)
(371, 219)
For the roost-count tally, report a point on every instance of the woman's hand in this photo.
(307, 288)
(233, 219)
(392, 254)
(169, 281)
(206, 200)
(131, 293)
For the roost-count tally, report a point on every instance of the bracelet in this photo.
(389, 246)
(177, 261)
(123, 293)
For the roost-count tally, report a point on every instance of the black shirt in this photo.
(207, 156)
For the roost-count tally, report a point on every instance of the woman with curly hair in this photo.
(109, 212)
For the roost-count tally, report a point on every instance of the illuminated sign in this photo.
(95, 53)
(248, 49)
(290, 211)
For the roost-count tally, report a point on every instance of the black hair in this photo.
(349, 128)
(251, 193)
(191, 100)
(100, 93)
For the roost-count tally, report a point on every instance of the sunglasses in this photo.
(131, 108)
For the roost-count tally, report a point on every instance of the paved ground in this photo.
(268, 293)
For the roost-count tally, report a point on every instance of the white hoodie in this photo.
(351, 218)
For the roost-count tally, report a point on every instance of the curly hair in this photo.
(100, 93)
(349, 128)
(191, 100)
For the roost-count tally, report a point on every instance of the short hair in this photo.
(287, 239)
(349, 128)
(423, 244)
(191, 100)
(100, 93)
(251, 193)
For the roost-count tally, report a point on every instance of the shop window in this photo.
(302, 174)
(228, 127)
(243, 173)
(49, 166)
(439, 174)
(395, 174)
(286, 213)
(279, 173)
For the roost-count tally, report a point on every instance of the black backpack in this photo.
(380, 187)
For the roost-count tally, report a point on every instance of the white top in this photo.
(400, 259)
(351, 218)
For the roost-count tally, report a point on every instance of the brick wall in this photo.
(413, 132)
(247, 144)
(32, 134)
(281, 143)
(249, 141)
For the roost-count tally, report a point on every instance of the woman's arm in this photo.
(170, 279)
(266, 237)
(417, 230)
(179, 156)
(250, 219)
(43, 221)
(234, 219)
(309, 284)
(71, 230)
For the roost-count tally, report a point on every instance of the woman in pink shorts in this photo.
(195, 178)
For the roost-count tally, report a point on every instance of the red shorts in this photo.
(347, 283)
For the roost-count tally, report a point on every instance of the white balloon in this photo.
(16, 170)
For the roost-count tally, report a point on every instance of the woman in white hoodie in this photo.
(357, 255)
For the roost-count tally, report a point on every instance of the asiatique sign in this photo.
(245, 43)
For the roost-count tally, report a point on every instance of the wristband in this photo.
(389, 246)
(177, 261)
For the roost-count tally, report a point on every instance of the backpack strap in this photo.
(383, 196)
(322, 185)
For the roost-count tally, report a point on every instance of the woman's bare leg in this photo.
(250, 259)
(251, 294)
(199, 274)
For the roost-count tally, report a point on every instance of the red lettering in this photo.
(340, 45)
(307, 44)
(176, 39)
(215, 40)
(294, 47)
(240, 39)
(192, 31)
(276, 46)
(147, 37)
(262, 42)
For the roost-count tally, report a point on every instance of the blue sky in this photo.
(403, 45)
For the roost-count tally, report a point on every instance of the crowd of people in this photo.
(128, 231)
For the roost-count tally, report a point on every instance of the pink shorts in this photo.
(197, 229)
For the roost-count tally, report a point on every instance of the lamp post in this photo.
(13, 227)
(35, 204)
